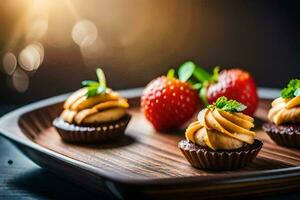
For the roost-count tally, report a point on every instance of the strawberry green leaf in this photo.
(201, 74)
(171, 73)
(290, 90)
(197, 86)
(202, 95)
(186, 70)
(228, 105)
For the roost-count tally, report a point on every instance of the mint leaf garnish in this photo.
(92, 91)
(101, 78)
(290, 90)
(95, 88)
(89, 83)
(297, 92)
(228, 105)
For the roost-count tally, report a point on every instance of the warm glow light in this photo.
(59, 30)
(84, 33)
(32, 22)
(39, 47)
(37, 29)
(31, 57)
(20, 80)
(94, 50)
(9, 63)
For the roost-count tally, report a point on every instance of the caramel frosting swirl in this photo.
(219, 129)
(285, 110)
(79, 109)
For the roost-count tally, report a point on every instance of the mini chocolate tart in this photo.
(221, 138)
(284, 116)
(285, 134)
(93, 113)
(208, 159)
(93, 133)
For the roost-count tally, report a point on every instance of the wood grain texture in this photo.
(152, 163)
(143, 153)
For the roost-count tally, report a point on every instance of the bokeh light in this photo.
(84, 33)
(31, 57)
(40, 48)
(93, 50)
(9, 63)
(37, 29)
(59, 28)
(20, 80)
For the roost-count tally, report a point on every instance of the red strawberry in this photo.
(235, 84)
(168, 103)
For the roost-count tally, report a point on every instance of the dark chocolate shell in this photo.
(287, 135)
(207, 159)
(95, 133)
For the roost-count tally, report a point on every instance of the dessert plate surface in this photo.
(144, 162)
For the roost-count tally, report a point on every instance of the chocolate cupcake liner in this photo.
(207, 159)
(287, 135)
(91, 134)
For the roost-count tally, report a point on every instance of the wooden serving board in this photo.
(145, 163)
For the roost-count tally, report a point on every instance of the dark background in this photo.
(259, 36)
(143, 39)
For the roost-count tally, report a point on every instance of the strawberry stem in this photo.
(171, 73)
(201, 74)
(202, 93)
(198, 77)
(215, 76)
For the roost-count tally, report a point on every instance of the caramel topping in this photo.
(100, 108)
(285, 110)
(219, 129)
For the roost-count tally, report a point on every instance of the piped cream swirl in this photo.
(78, 109)
(219, 129)
(285, 110)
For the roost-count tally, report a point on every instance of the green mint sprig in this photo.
(292, 89)
(297, 92)
(93, 87)
(228, 105)
(197, 76)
